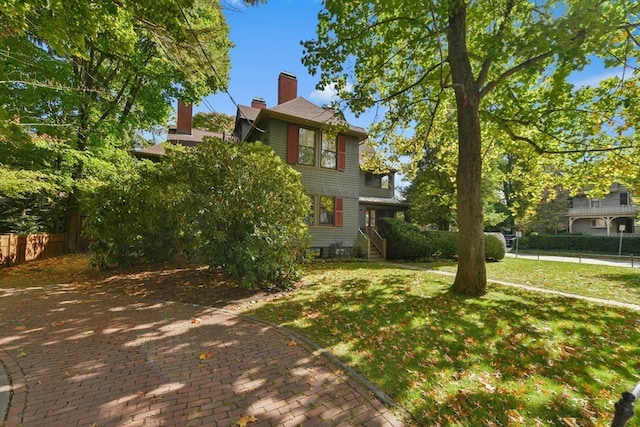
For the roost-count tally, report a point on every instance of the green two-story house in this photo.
(346, 200)
(326, 153)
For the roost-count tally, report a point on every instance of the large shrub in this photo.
(404, 240)
(495, 246)
(235, 206)
(129, 218)
(445, 243)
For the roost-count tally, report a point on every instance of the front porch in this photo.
(372, 245)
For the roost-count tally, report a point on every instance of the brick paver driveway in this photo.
(76, 357)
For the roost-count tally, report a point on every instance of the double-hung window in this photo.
(325, 211)
(328, 153)
(311, 147)
(306, 146)
(624, 199)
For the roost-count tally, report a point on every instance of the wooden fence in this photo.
(19, 248)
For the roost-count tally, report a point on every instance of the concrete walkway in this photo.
(73, 357)
(612, 261)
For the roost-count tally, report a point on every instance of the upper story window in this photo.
(624, 199)
(594, 203)
(311, 147)
(306, 146)
(376, 181)
(328, 153)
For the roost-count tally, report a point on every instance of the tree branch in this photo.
(412, 85)
(484, 70)
(504, 125)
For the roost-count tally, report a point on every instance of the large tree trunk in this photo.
(471, 277)
(72, 224)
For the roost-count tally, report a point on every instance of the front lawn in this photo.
(598, 281)
(511, 357)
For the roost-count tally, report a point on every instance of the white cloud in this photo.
(325, 96)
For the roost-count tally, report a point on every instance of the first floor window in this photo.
(326, 211)
(309, 219)
(598, 223)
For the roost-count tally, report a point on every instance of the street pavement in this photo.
(71, 356)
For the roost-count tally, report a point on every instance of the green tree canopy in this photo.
(214, 122)
(501, 69)
(89, 74)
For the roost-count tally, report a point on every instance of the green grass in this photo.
(511, 357)
(598, 281)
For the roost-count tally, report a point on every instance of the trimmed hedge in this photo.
(405, 241)
(495, 246)
(581, 243)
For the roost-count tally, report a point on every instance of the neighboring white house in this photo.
(608, 216)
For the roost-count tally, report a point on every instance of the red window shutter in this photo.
(339, 212)
(342, 156)
(292, 144)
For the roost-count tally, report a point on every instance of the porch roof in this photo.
(383, 201)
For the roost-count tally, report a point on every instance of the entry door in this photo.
(370, 218)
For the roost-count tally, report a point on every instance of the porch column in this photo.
(607, 220)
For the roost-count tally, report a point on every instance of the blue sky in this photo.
(267, 41)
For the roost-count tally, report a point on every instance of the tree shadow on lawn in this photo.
(630, 280)
(508, 357)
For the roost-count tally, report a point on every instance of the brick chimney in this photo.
(287, 87)
(185, 118)
(258, 103)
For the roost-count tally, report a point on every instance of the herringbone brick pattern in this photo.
(80, 358)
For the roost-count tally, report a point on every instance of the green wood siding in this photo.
(326, 182)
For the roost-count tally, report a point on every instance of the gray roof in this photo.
(153, 151)
(185, 139)
(193, 138)
(302, 111)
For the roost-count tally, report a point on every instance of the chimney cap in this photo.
(288, 74)
(259, 99)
